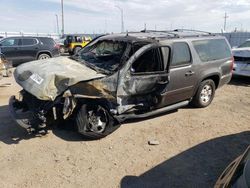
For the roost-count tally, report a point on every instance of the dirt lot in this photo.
(195, 146)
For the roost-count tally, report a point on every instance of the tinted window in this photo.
(210, 50)
(27, 42)
(150, 61)
(10, 42)
(181, 55)
(47, 41)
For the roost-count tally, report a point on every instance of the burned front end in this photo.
(56, 89)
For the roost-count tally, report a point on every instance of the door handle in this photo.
(189, 73)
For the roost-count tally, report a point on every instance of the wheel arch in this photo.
(43, 52)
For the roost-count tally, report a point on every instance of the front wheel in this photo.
(205, 94)
(95, 122)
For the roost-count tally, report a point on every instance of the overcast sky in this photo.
(95, 16)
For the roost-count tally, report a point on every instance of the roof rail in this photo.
(157, 31)
(192, 30)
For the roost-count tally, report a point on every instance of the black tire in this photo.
(84, 126)
(77, 49)
(201, 100)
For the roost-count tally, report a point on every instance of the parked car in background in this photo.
(122, 76)
(62, 48)
(74, 43)
(21, 49)
(237, 174)
(242, 59)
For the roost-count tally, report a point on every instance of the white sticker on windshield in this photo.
(38, 79)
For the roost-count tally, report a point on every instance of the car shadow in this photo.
(199, 166)
(240, 81)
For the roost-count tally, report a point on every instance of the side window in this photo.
(10, 42)
(29, 41)
(47, 41)
(150, 61)
(181, 54)
(213, 49)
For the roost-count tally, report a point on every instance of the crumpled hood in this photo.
(241, 52)
(46, 79)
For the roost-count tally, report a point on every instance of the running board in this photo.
(124, 117)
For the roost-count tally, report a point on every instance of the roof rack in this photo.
(192, 30)
(179, 33)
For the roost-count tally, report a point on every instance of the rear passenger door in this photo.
(182, 75)
(29, 49)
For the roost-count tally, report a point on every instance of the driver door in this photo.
(143, 79)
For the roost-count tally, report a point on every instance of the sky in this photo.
(99, 16)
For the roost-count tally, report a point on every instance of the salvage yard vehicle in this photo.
(242, 59)
(122, 76)
(4, 67)
(74, 43)
(22, 49)
(237, 174)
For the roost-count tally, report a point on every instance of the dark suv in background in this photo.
(19, 50)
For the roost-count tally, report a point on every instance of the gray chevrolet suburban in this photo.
(122, 76)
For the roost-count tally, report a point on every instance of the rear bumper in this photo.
(225, 79)
(21, 117)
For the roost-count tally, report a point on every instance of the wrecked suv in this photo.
(122, 76)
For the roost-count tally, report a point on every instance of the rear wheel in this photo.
(205, 94)
(43, 56)
(94, 121)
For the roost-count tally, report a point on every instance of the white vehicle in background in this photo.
(242, 59)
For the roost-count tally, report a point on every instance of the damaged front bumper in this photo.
(34, 114)
(21, 117)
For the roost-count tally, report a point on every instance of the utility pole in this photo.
(57, 25)
(62, 18)
(225, 21)
(122, 22)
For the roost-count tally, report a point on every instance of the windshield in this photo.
(245, 44)
(104, 55)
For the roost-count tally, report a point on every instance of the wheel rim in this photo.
(97, 119)
(44, 56)
(206, 93)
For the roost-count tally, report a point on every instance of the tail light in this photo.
(57, 46)
(232, 64)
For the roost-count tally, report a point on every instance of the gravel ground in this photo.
(195, 145)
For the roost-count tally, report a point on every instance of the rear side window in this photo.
(29, 41)
(211, 50)
(47, 41)
(181, 55)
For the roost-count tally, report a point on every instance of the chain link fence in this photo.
(236, 38)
